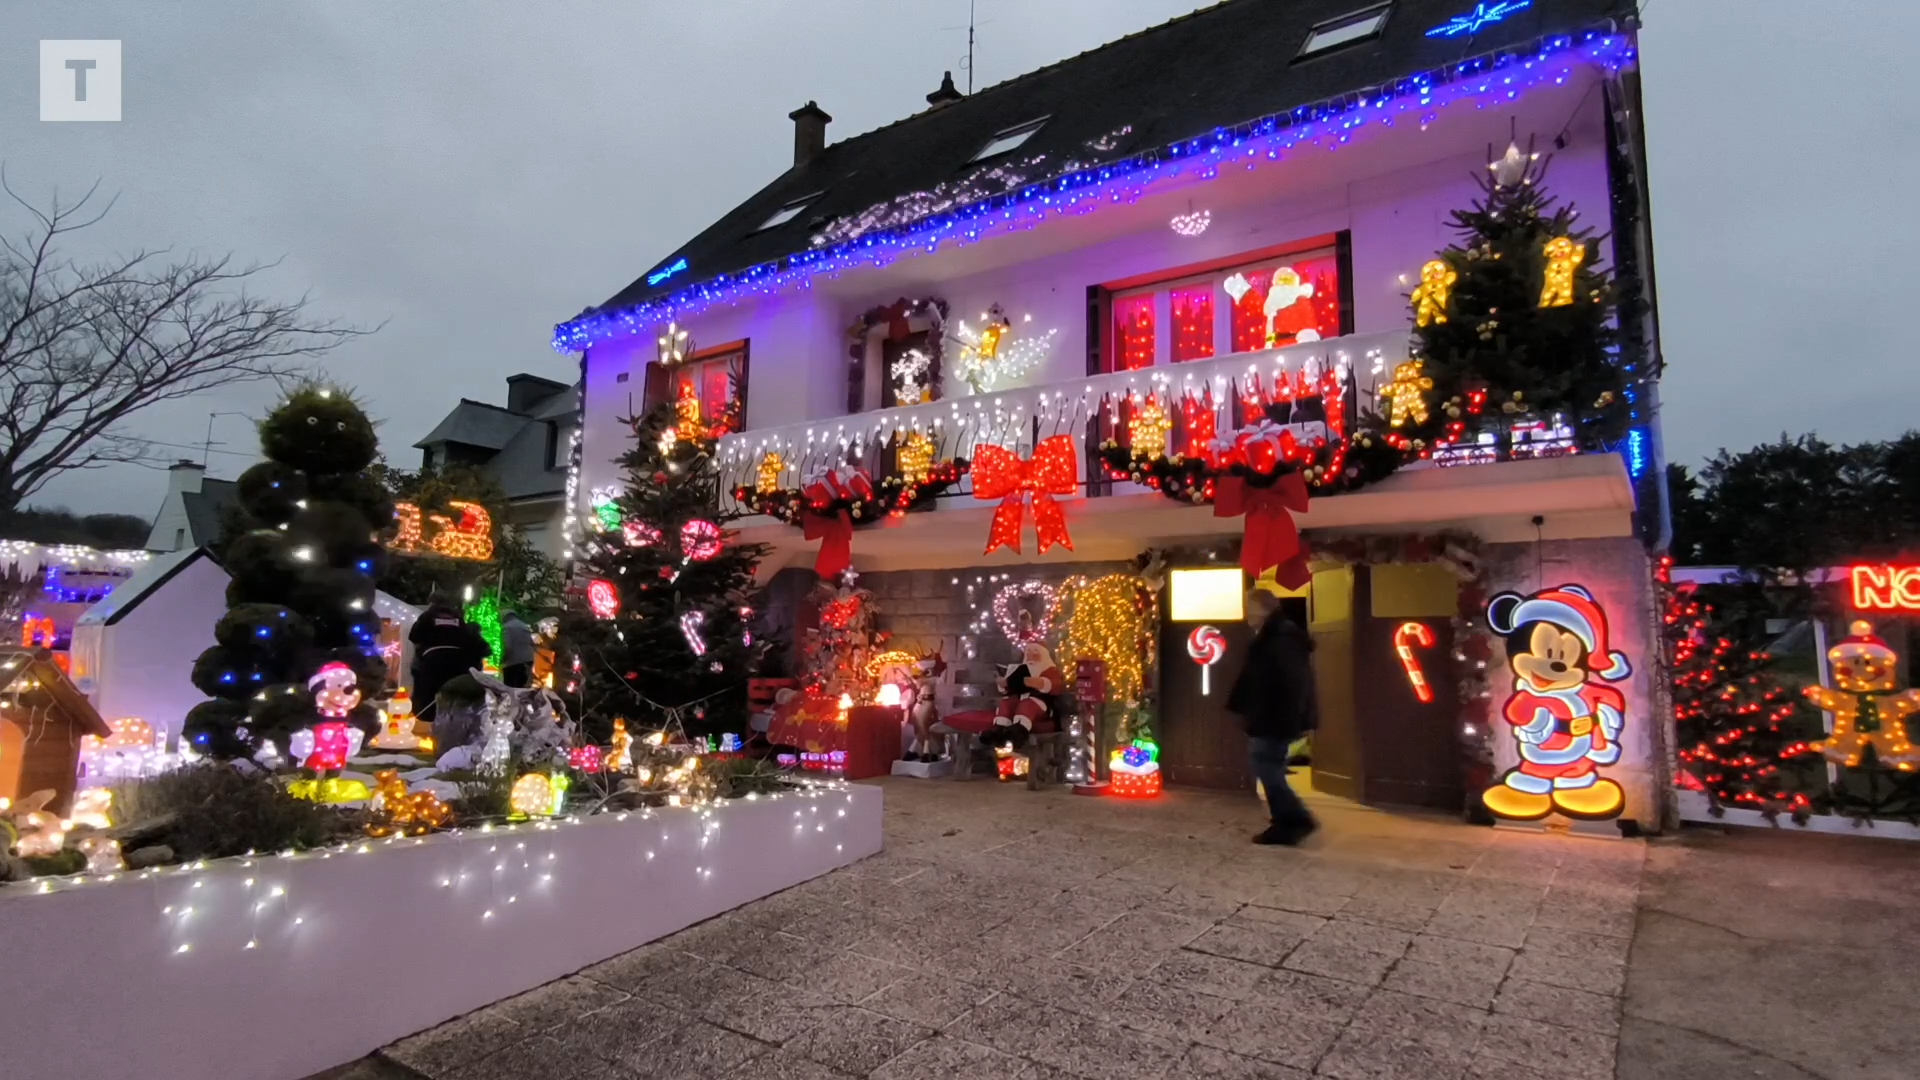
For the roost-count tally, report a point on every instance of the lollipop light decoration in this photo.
(1207, 646)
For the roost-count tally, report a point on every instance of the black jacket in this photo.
(1275, 694)
(443, 641)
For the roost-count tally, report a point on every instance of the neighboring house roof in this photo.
(521, 442)
(49, 681)
(206, 507)
(1221, 66)
(145, 581)
(475, 423)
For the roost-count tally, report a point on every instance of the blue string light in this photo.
(1501, 76)
(664, 273)
(1481, 15)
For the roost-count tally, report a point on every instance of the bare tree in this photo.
(86, 345)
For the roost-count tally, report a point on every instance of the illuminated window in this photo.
(787, 213)
(716, 378)
(1345, 30)
(1231, 307)
(1210, 595)
(1009, 140)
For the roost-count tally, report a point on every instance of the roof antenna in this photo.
(970, 28)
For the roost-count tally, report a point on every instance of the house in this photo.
(42, 720)
(1212, 221)
(524, 445)
(191, 514)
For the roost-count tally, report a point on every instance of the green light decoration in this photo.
(484, 612)
(607, 512)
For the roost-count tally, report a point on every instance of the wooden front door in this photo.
(1201, 744)
(1338, 760)
(1411, 747)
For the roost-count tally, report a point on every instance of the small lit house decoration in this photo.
(1000, 473)
(470, 538)
(131, 752)
(44, 720)
(1135, 770)
(1407, 638)
(1207, 646)
(1867, 711)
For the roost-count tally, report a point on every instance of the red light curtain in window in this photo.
(1133, 332)
(1278, 303)
(1192, 307)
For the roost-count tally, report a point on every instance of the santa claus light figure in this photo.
(1289, 309)
(1026, 686)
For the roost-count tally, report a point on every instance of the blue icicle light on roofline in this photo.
(1637, 452)
(1496, 78)
(1481, 15)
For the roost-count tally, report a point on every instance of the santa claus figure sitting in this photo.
(1289, 310)
(1025, 688)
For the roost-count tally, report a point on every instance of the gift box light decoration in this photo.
(1010, 766)
(1135, 770)
(586, 758)
(920, 223)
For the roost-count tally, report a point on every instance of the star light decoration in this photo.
(675, 344)
(1482, 15)
(1513, 167)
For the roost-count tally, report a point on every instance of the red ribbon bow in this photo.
(999, 473)
(1272, 538)
(833, 528)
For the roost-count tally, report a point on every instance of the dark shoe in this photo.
(1286, 835)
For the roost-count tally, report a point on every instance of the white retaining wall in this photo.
(284, 967)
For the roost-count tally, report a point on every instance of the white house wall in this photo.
(1394, 198)
(141, 666)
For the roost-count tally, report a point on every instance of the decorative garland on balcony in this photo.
(829, 509)
(907, 381)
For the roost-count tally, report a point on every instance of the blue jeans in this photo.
(1269, 757)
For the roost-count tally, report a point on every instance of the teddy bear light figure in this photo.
(1867, 710)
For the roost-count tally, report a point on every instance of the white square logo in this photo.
(79, 80)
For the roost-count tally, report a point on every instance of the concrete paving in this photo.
(1775, 956)
(1019, 936)
(1011, 934)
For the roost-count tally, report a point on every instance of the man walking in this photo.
(1276, 700)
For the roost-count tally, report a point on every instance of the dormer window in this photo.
(1345, 30)
(1009, 140)
(787, 213)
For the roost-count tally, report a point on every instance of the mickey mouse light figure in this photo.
(1564, 713)
(335, 694)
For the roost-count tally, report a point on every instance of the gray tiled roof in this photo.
(475, 423)
(205, 508)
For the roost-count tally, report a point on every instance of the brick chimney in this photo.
(947, 94)
(809, 132)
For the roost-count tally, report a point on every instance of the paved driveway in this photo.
(1010, 934)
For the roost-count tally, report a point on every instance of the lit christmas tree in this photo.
(1515, 322)
(664, 630)
(1729, 713)
(302, 588)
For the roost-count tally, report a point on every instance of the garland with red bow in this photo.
(830, 508)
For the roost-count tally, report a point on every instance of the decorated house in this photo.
(1355, 296)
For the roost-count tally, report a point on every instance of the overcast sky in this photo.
(468, 173)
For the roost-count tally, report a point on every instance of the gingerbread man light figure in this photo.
(1867, 710)
(1407, 394)
(1564, 256)
(1436, 288)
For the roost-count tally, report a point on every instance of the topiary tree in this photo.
(1514, 322)
(303, 575)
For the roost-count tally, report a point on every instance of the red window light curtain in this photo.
(1192, 308)
(1133, 332)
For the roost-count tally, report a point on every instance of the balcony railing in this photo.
(1088, 408)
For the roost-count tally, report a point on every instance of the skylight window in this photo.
(1009, 140)
(1345, 30)
(788, 212)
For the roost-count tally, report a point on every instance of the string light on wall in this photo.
(1020, 624)
(922, 226)
(1191, 223)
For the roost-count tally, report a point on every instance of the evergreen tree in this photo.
(679, 641)
(1515, 322)
(302, 578)
(1729, 713)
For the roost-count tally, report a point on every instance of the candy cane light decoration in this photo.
(1207, 646)
(691, 623)
(1404, 640)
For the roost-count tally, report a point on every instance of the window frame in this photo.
(1103, 357)
(1381, 13)
(660, 377)
(788, 211)
(1018, 133)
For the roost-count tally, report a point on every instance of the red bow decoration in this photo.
(1272, 538)
(833, 527)
(998, 473)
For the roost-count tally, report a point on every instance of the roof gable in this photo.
(475, 423)
(1222, 66)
